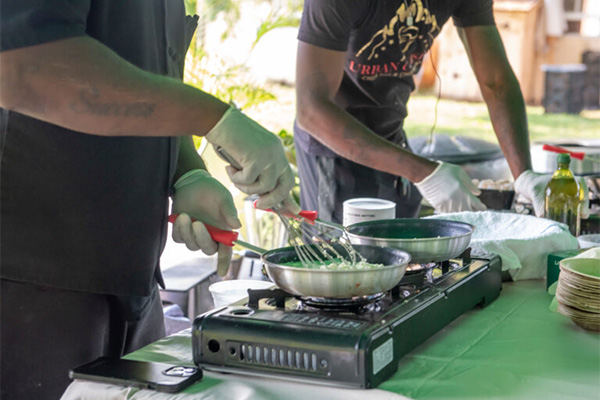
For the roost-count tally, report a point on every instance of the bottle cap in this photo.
(563, 158)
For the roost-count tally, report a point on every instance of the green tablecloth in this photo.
(513, 349)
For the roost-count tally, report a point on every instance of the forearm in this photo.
(501, 92)
(509, 120)
(82, 85)
(188, 159)
(351, 139)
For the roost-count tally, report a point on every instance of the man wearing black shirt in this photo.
(355, 66)
(95, 137)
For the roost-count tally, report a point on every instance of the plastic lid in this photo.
(562, 68)
(563, 158)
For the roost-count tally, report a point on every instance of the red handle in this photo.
(218, 235)
(309, 215)
(306, 214)
(557, 149)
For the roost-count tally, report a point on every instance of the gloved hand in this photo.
(449, 189)
(264, 168)
(202, 197)
(288, 206)
(532, 187)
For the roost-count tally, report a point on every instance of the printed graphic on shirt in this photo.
(407, 36)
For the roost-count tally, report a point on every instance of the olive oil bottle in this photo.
(563, 200)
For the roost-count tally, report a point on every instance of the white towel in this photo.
(523, 242)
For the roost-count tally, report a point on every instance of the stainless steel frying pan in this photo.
(341, 284)
(427, 240)
(337, 283)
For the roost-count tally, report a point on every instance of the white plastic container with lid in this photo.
(367, 209)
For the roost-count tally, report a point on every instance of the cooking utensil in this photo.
(307, 255)
(324, 283)
(427, 240)
(311, 282)
(307, 227)
(575, 154)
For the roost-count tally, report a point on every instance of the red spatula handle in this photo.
(218, 235)
(558, 149)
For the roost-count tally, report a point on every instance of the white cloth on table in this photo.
(523, 242)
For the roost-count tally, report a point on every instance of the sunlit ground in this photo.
(471, 119)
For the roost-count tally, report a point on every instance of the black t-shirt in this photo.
(385, 42)
(79, 211)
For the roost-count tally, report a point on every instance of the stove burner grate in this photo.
(332, 304)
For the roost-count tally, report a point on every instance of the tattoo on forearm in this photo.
(88, 102)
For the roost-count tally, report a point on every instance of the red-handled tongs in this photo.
(306, 215)
(228, 238)
(575, 154)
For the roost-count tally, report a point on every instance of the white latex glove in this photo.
(532, 187)
(449, 189)
(264, 169)
(202, 197)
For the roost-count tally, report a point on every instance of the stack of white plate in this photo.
(578, 291)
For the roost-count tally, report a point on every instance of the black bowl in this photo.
(495, 199)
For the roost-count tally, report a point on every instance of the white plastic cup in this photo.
(227, 292)
(367, 209)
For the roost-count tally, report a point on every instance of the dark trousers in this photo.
(47, 331)
(326, 182)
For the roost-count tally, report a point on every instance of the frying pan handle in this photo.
(558, 149)
(218, 235)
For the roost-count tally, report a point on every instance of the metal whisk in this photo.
(312, 239)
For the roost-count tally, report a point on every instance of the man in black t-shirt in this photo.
(95, 138)
(355, 67)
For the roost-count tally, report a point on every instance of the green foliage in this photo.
(212, 8)
(210, 73)
(228, 83)
(275, 22)
(281, 15)
(251, 94)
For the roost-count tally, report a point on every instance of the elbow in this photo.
(308, 114)
(500, 84)
(302, 118)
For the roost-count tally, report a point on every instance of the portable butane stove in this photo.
(343, 342)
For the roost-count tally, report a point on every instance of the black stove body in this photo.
(272, 333)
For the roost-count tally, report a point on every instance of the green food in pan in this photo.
(334, 265)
